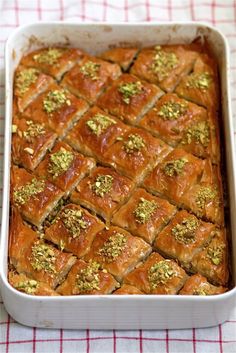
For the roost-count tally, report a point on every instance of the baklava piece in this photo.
(103, 191)
(74, 229)
(57, 108)
(129, 98)
(205, 199)
(200, 86)
(127, 289)
(64, 167)
(95, 132)
(144, 215)
(212, 262)
(87, 278)
(198, 285)
(34, 197)
(118, 251)
(34, 257)
(121, 56)
(30, 286)
(164, 65)
(89, 78)
(135, 153)
(184, 237)
(53, 61)
(30, 142)
(157, 276)
(28, 84)
(175, 175)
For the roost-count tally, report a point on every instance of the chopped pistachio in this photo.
(185, 231)
(199, 132)
(22, 194)
(73, 221)
(215, 254)
(102, 185)
(29, 150)
(172, 110)
(113, 247)
(28, 286)
(14, 128)
(163, 63)
(202, 290)
(201, 81)
(49, 56)
(130, 89)
(87, 278)
(145, 210)
(62, 244)
(33, 130)
(99, 123)
(55, 100)
(134, 143)
(60, 162)
(90, 69)
(175, 167)
(25, 78)
(43, 257)
(160, 273)
(204, 195)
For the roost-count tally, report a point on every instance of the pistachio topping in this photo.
(99, 123)
(199, 133)
(113, 247)
(175, 167)
(172, 110)
(185, 231)
(33, 130)
(25, 78)
(130, 89)
(201, 81)
(90, 69)
(73, 221)
(102, 185)
(201, 290)
(49, 56)
(163, 62)
(60, 162)
(43, 257)
(145, 210)
(160, 273)
(204, 195)
(134, 143)
(215, 254)
(55, 100)
(28, 286)
(22, 194)
(87, 278)
(62, 244)
(14, 128)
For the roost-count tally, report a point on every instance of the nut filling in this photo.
(113, 247)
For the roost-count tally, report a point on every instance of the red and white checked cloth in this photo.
(20, 339)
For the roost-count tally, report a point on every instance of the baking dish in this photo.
(119, 312)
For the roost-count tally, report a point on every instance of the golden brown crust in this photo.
(78, 281)
(129, 98)
(127, 289)
(63, 116)
(121, 56)
(64, 167)
(132, 216)
(151, 278)
(118, 251)
(74, 229)
(103, 191)
(30, 142)
(198, 285)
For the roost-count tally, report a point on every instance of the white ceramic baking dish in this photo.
(111, 311)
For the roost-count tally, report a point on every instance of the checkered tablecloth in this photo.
(19, 339)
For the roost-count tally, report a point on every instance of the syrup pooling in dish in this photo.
(116, 183)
